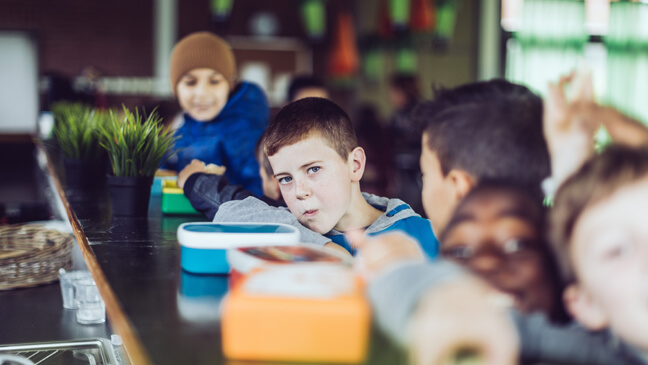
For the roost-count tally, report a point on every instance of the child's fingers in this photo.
(585, 90)
(356, 237)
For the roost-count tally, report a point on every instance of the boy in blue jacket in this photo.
(312, 147)
(223, 118)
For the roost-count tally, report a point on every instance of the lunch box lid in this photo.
(244, 259)
(209, 235)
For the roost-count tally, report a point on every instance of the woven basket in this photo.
(31, 255)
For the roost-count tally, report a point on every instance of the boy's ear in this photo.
(462, 182)
(584, 308)
(357, 162)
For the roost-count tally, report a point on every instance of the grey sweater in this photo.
(397, 215)
(395, 295)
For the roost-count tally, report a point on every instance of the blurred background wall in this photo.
(122, 46)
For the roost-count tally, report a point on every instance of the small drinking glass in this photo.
(90, 307)
(67, 280)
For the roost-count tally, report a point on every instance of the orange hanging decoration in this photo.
(422, 15)
(343, 58)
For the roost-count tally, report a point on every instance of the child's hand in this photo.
(215, 169)
(378, 253)
(192, 168)
(463, 314)
(568, 126)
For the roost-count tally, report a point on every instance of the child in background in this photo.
(313, 151)
(497, 232)
(599, 232)
(434, 309)
(207, 191)
(485, 130)
(222, 117)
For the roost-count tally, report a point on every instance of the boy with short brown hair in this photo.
(313, 151)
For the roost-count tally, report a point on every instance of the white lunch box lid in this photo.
(209, 235)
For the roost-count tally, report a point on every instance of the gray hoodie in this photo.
(397, 216)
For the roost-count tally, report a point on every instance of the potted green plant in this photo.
(75, 132)
(136, 146)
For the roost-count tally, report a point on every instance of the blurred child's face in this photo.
(609, 251)
(315, 183)
(437, 195)
(493, 235)
(202, 93)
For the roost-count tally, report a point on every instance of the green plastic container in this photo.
(174, 201)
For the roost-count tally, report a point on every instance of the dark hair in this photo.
(303, 82)
(529, 208)
(261, 156)
(530, 196)
(596, 180)
(307, 117)
(492, 130)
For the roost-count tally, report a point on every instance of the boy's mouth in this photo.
(202, 106)
(310, 213)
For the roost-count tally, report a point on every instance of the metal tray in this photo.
(93, 351)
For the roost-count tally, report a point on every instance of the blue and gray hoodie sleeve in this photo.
(395, 294)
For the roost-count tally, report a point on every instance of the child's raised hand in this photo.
(192, 168)
(568, 125)
(463, 314)
(377, 254)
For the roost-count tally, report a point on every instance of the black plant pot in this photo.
(80, 174)
(130, 195)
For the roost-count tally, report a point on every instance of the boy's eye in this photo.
(214, 81)
(314, 169)
(459, 252)
(284, 180)
(619, 250)
(190, 82)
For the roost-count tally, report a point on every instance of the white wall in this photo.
(18, 83)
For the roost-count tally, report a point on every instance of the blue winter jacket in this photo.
(228, 139)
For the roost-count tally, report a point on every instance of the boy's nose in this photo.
(302, 190)
(486, 263)
(200, 88)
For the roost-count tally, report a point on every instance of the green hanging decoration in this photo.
(373, 64)
(313, 14)
(406, 60)
(399, 11)
(446, 18)
(221, 9)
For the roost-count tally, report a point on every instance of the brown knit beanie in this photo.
(202, 50)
